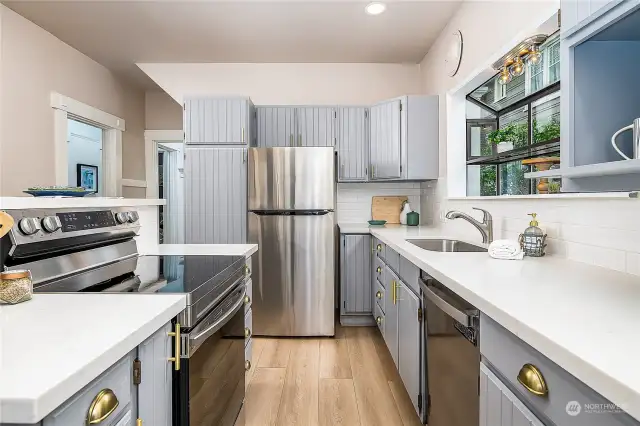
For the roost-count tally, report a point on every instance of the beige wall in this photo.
(35, 63)
(289, 84)
(600, 232)
(162, 112)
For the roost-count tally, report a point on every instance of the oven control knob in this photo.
(122, 217)
(51, 223)
(29, 225)
(133, 216)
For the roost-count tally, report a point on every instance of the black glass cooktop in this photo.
(194, 275)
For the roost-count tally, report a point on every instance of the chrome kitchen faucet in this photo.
(485, 227)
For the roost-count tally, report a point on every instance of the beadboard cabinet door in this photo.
(355, 274)
(352, 144)
(155, 388)
(409, 332)
(276, 126)
(385, 140)
(217, 121)
(499, 406)
(314, 126)
(216, 195)
(391, 313)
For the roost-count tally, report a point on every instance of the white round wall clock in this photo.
(453, 55)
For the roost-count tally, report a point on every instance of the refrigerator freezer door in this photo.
(293, 274)
(291, 178)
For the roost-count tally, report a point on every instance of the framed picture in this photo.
(87, 177)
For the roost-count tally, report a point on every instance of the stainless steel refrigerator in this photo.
(291, 218)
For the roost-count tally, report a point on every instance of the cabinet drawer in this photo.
(249, 297)
(119, 379)
(379, 318)
(392, 258)
(507, 354)
(379, 248)
(248, 326)
(379, 295)
(409, 273)
(379, 270)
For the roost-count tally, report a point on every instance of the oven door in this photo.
(209, 388)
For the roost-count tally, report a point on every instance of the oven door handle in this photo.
(126, 285)
(218, 324)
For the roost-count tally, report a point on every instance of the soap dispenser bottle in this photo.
(532, 240)
(406, 208)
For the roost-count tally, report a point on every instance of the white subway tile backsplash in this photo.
(354, 199)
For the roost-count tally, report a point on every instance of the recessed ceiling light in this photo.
(375, 8)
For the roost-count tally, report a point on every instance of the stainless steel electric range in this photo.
(88, 250)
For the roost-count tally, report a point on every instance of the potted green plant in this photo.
(504, 138)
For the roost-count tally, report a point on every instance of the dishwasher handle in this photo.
(447, 304)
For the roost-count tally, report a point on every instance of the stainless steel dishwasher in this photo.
(453, 356)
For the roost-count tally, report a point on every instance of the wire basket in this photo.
(533, 245)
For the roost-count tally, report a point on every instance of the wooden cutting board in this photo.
(6, 222)
(387, 208)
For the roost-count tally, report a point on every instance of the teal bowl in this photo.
(377, 222)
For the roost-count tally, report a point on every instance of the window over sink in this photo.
(513, 127)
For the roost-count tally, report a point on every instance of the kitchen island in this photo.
(55, 345)
(582, 317)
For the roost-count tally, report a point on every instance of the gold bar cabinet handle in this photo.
(102, 406)
(299, 140)
(243, 134)
(533, 380)
(291, 139)
(176, 359)
(139, 422)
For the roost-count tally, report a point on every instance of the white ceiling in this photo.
(119, 34)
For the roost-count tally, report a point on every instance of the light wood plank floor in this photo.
(349, 380)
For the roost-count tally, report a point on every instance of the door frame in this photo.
(151, 139)
(65, 108)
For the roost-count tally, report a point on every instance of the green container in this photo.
(413, 219)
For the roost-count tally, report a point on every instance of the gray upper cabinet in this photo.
(155, 388)
(352, 143)
(314, 126)
(405, 139)
(391, 313)
(280, 126)
(579, 13)
(499, 406)
(409, 342)
(219, 121)
(385, 140)
(276, 126)
(355, 274)
(216, 195)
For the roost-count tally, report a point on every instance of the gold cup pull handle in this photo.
(247, 299)
(378, 269)
(379, 247)
(378, 320)
(247, 365)
(379, 295)
(176, 359)
(533, 380)
(247, 332)
(102, 406)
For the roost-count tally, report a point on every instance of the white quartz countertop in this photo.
(17, 203)
(584, 318)
(55, 344)
(201, 250)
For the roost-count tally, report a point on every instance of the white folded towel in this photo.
(505, 249)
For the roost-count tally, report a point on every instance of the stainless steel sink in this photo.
(438, 244)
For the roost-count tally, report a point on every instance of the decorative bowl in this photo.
(377, 222)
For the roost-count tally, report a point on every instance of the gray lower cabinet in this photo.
(155, 388)
(409, 332)
(355, 278)
(216, 195)
(499, 406)
(391, 313)
(219, 121)
(276, 126)
(352, 144)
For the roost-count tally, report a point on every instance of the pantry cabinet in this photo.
(219, 121)
(289, 126)
(352, 143)
(404, 137)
